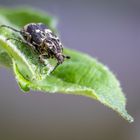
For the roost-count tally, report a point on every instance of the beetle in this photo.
(42, 40)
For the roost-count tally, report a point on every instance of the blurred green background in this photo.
(107, 30)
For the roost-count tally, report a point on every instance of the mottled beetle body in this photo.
(41, 39)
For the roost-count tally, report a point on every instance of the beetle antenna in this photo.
(67, 57)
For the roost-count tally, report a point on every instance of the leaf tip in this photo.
(127, 117)
(130, 119)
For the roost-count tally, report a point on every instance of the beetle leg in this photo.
(10, 28)
(28, 40)
(41, 59)
(55, 67)
(21, 32)
(22, 41)
(27, 35)
(43, 56)
(58, 63)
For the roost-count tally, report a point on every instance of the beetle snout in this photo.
(60, 58)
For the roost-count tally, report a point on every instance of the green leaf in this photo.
(81, 75)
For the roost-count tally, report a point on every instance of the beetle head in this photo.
(60, 58)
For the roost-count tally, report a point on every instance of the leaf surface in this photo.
(81, 75)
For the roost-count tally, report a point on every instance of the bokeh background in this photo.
(107, 30)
